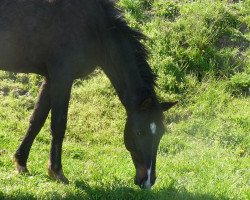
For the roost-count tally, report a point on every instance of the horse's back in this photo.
(24, 35)
(33, 30)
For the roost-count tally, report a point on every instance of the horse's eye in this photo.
(138, 133)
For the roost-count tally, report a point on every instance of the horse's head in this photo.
(143, 131)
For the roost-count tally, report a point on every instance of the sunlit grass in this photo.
(190, 164)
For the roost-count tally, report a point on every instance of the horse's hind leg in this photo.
(37, 120)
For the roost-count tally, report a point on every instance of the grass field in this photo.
(205, 152)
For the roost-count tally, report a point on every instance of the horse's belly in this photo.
(17, 56)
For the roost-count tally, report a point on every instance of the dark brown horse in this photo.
(66, 39)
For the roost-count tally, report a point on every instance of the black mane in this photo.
(117, 21)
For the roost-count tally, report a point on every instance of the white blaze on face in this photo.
(147, 184)
(153, 128)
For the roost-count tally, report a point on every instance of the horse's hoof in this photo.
(58, 176)
(20, 169)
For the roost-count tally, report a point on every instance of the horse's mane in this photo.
(116, 19)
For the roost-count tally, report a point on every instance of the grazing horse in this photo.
(66, 39)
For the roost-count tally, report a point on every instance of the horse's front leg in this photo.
(37, 120)
(60, 95)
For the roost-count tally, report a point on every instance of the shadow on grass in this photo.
(21, 196)
(116, 192)
(125, 193)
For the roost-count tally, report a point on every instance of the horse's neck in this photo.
(128, 84)
(121, 67)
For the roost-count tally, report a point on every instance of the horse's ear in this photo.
(167, 105)
(146, 104)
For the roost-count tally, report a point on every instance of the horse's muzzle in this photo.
(145, 178)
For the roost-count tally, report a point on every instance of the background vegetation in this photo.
(200, 51)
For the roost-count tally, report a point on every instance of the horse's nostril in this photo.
(139, 181)
(143, 183)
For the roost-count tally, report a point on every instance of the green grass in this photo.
(194, 162)
(205, 151)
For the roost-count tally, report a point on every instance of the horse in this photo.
(63, 40)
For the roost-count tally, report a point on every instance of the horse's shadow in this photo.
(117, 192)
(127, 193)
